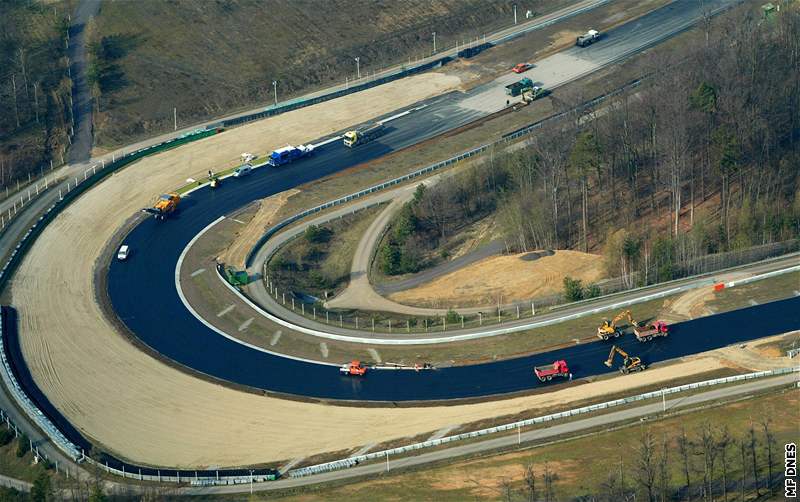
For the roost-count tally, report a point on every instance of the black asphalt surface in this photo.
(143, 293)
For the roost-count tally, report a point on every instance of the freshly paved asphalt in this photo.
(143, 293)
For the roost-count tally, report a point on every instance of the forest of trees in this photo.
(35, 87)
(702, 159)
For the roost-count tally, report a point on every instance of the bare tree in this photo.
(530, 482)
(663, 469)
(684, 449)
(549, 478)
(752, 444)
(723, 443)
(646, 468)
(743, 452)
(708, 450)
(769, 444)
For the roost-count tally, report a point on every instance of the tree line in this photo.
(708, 464)
(35, 88)
(701, 159)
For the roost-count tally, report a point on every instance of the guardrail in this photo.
(379, 455)
(435, 167)
(28, 406)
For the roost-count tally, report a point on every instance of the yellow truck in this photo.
(164, 206)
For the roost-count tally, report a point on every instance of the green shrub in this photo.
(6, 436)
(573, 289)
(23, 446)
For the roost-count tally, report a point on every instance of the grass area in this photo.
(230, 68)
(587, 465)
(318, 262)
(780, 287)
(16, 466)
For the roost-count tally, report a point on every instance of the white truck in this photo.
(588, 38)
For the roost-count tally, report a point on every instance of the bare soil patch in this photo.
(512, 277)
(249, 233)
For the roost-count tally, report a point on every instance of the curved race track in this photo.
(142, 291)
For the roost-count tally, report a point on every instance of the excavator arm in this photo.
(614, 351)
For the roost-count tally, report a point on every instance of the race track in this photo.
(143, 293)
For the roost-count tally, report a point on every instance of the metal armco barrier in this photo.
(27, 405)
(302, 103)
(379, 455)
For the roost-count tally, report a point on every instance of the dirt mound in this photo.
(513, 277)
(535, 255)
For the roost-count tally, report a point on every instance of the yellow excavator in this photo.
(629, 363)
(609, 328)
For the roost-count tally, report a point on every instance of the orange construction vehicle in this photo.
(353, 368)
(164, 206)
(609, 328)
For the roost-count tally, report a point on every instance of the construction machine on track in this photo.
(609, 328)
(629, 363)
(164, 206)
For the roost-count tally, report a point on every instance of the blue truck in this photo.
(289, 154)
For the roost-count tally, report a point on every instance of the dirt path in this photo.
(359, 293)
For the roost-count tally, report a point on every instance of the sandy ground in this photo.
(509, 277)
(756, 355)
(248, 234)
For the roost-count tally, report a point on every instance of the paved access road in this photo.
(510, 440)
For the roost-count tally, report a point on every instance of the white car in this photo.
(123, 253)
(242, 171)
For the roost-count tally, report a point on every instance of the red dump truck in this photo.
(556, 369)
(651, 330)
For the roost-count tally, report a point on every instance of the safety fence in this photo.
(403, 71)
(435, 167)
(380, 455)
(24, 402)
(303, 102)
(90, 177)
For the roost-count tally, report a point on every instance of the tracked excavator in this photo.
(629, 364)
(609, 328)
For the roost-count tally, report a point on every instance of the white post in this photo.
(358, 67)
(519, 434)
(434, 42)
(275, 90)
(533, 309)
(387, 461)
(663, 401)
(175, 118)
(515, 14)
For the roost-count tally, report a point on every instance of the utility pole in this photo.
(434, 42)
(275, 91)
(358, 67)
